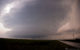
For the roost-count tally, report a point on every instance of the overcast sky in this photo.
(32, 18)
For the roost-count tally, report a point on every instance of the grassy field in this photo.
(24, 44)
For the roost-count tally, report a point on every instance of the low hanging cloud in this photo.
(34, 18)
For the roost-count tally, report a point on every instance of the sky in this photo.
(33, 18)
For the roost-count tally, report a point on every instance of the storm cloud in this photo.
(35, 18)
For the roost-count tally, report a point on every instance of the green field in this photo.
(24, 44)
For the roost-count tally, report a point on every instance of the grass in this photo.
(24, 44)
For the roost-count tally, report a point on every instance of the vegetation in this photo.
(24, 44)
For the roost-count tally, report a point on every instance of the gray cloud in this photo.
(36, 19)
